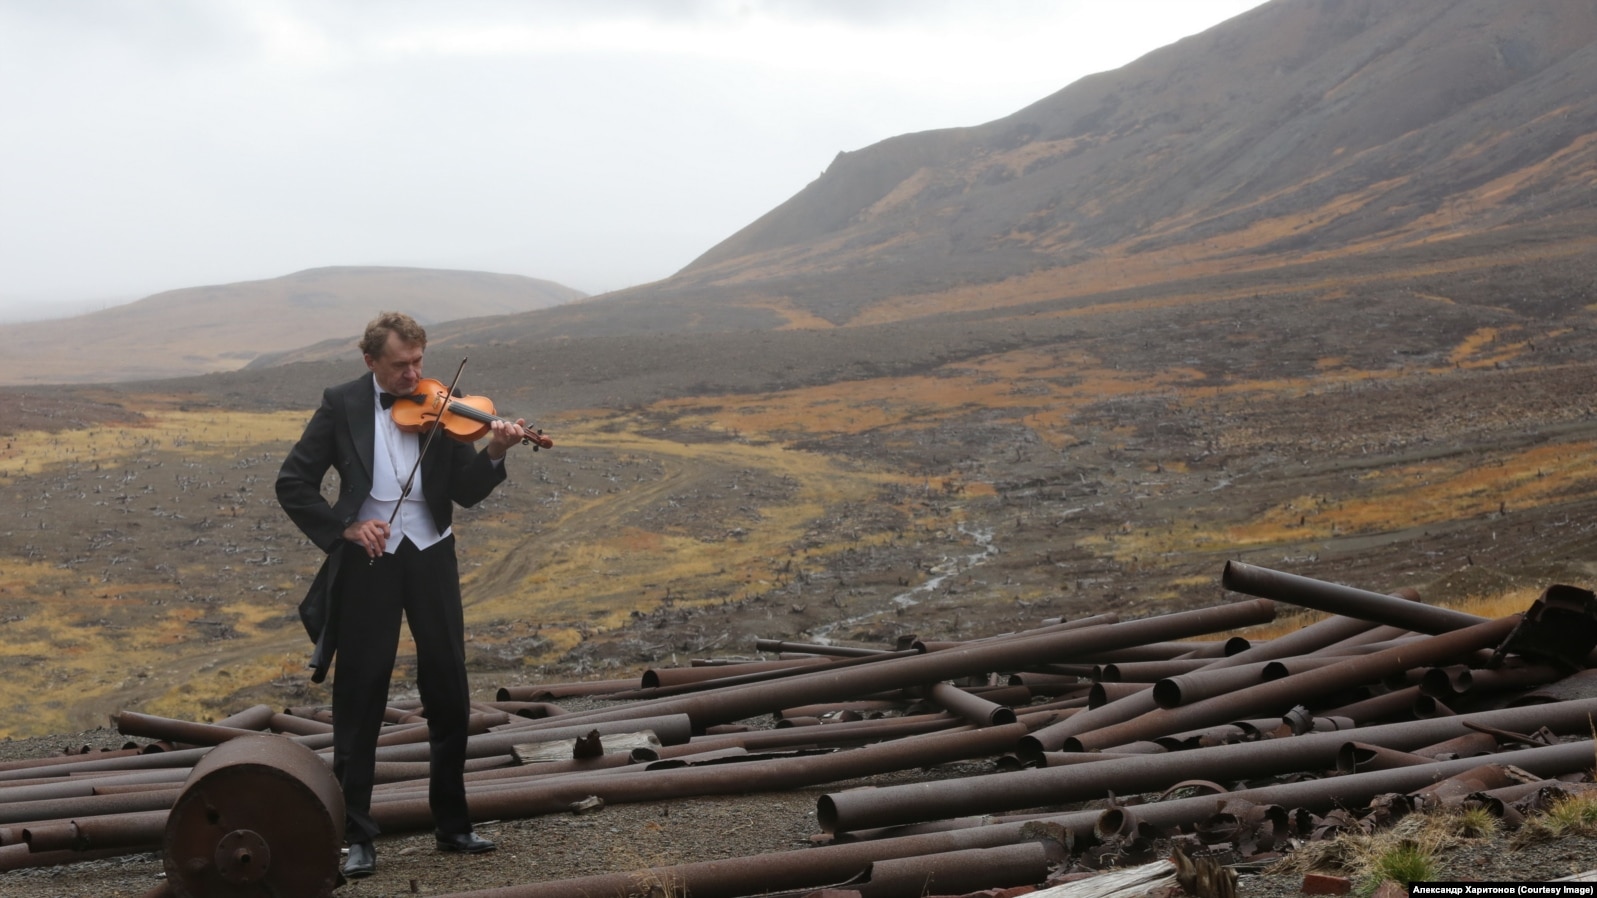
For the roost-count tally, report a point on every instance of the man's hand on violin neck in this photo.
(504, 435)
(369, 535)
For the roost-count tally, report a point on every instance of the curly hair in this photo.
(375, 340)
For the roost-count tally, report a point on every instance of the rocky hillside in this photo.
(1302, 129)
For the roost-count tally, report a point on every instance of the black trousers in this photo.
(424, 587)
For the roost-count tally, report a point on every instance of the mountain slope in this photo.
(1323, 126)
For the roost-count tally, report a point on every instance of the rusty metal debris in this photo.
(1111, 743)
(259, 815)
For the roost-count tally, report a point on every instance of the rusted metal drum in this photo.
(259, 815)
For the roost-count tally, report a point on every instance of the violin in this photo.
(466, 418)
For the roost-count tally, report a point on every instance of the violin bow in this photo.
(432, 431)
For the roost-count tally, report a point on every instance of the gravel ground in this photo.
(639, 836)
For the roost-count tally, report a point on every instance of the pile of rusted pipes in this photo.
(1385, 703)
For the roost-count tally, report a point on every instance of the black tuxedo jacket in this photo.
(341, 436)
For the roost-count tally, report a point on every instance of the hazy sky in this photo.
(147, 145)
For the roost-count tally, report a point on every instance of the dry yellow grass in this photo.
(124, 635)
(1044, 388)
(587, 560)
(212, 433)
(1429, 493)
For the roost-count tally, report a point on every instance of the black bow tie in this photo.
(387, 399)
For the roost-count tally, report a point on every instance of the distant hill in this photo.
(223, 327)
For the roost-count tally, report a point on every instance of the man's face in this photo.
(398, 369)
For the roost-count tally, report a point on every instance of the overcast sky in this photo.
(148, 145)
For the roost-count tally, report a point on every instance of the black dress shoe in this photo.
(362, 861)
(470, 843)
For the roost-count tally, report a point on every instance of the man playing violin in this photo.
(390, 553)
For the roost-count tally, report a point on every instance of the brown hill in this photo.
(1299, 128)
(223, 327)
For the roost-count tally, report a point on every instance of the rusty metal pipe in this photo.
(1277, 696)
(397, 771)
(79, 786)
(1398, 703)
(537, 793)
(1072, 758)
(1360, 788)
(778, 646)
(913, 803)
(555, 794)
(797, 720)
(957, 872)
(21, 857)
(87, 806)
(861, 707)
(44, 766)
(729, 704)
(1357, 757)
(52, 837)
(1428, 706)
(655, 677)
(837, 735)
(1446, 683)
(1464, 745)
(1184, 689)
(1314, 637)
(531, 710)
(137, 831)
(973, 708)
(811, 868)
(255, 717)
(1054, 736)
(543, 692)
(815, 665)
(150, 726)
(670, 728)
(1060, 687)
(290, 725)
(1147, 671)
(1101, 694)
(1223, 648)
(1318, 636)
(1346, 600)
(1163, 650)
